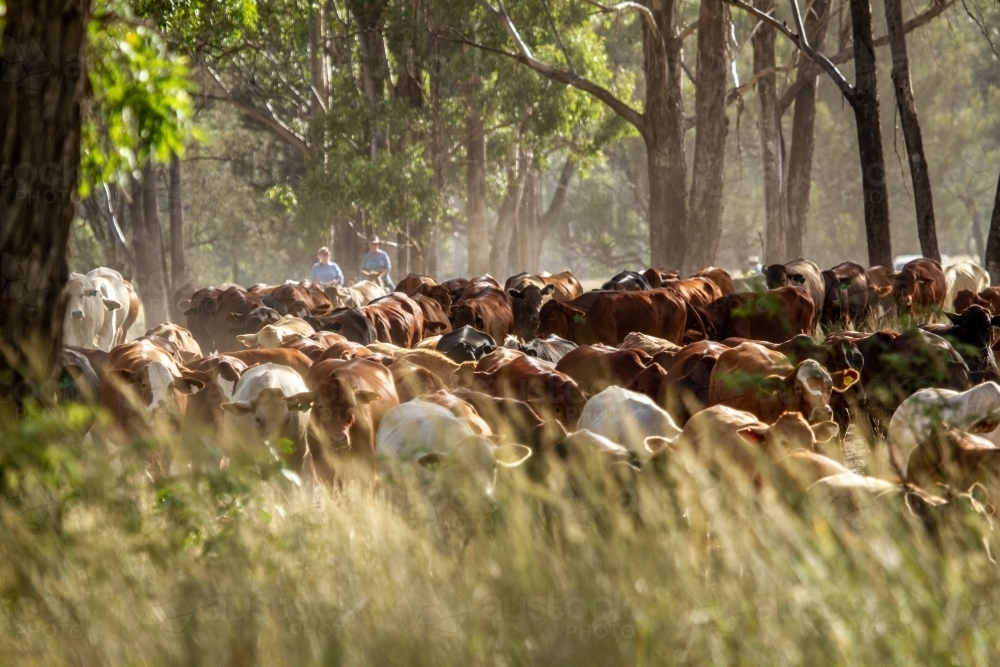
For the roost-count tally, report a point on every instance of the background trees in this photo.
(626, 138)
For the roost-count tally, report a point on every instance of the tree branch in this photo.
(269, 119)
(603, 94)
(561, 192)
(822, 61)
(614, 9)
(810, 69)
(686, 31)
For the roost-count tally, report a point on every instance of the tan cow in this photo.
(272, 335)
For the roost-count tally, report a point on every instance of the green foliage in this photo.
(140, 107)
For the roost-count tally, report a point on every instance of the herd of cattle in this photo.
(465, 376)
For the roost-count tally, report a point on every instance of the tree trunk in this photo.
(475, 183)
(552, 213)
(993, 241)
(178, 270)
(39, 173)
(922, 197)
(664, 137)
(317, 58)
(712, 125)
(865, 104)
(798, 179)
(151, 282)
(769, 128)
(526, 236)
(506, 220)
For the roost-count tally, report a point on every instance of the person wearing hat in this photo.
(324, 271)
(375, 264)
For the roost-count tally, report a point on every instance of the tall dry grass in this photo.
(99, 565)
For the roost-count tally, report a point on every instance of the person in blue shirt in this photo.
(375, 264)
(324, 271)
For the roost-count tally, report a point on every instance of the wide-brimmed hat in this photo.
(374, 239)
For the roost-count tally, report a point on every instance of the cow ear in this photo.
(955, 318)
(987, 424)
(655, 444)
(825, 431)
(771, 385)
(548, 289)
(883, 291)
(111, 304)
(515, 294)
(184, 305)
(364, 396)
(755, 434)
(430, 461)
(435, 327)
(300, 402)
(248, 340)
(193, 381)
(513, 455)
(233, 318)
(844, 379)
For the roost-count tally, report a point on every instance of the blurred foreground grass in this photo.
(100, 566)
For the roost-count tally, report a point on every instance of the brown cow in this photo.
(302, 301)
(720, 277)
(204, 414)
(214, 313)
(799, 272)
(989, 299)
(349, 400)
(696, 291)
(595, 368)
(436, 320)
(685, 388)
(728, 440)
(412, 380)
(514, 421)
(456, 287)
(849, 298)
(414, 283)
(486, 308)
(751, 378)
(956, 459)
(656, 277)
(772, 315)
(460, 409)
(144, 389)
(565, 285)
(881, 304)
(187, 346)
(343, 350)
(919, 288)
(306, 345)
(549, 392)
(292, 358)
(614, 315)
(397, 318)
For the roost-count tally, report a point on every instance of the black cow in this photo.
(253, 321)
(465, 344)
(551, 349)
(275, 303)
(525, 304)
(970, 334)
(627, 281)
(350, 323)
